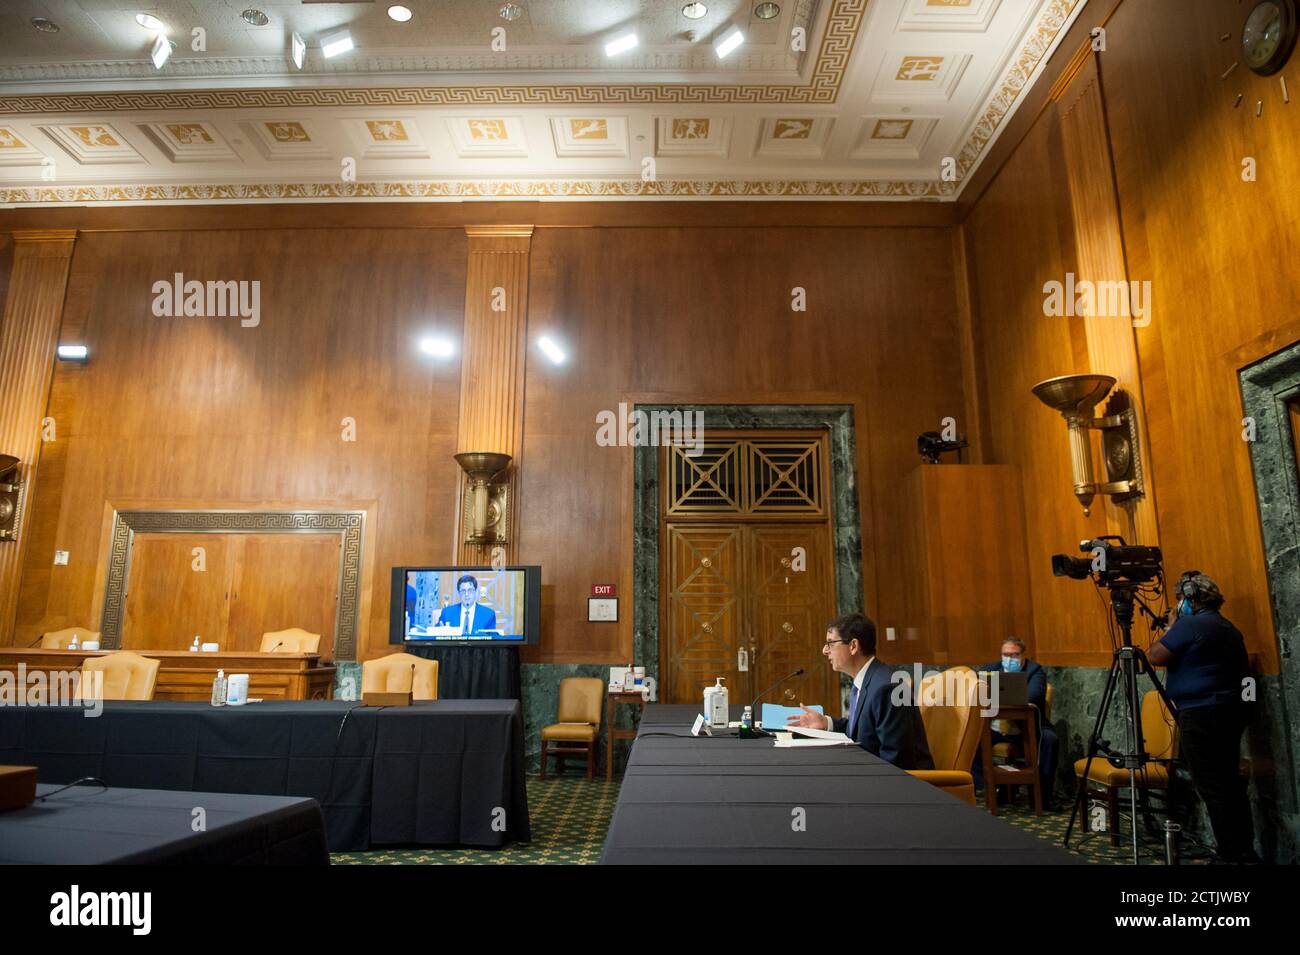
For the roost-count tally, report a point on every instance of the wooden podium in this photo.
(185, 675)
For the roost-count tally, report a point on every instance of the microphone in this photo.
(36, 641)
(752, 733)
(276, 647)
(412, 682)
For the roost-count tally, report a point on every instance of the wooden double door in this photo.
(740, 607)
(747, 568)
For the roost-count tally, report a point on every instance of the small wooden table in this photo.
(188, 676)
(995, 776)
(612, 732)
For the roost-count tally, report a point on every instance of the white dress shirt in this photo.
(857, 681)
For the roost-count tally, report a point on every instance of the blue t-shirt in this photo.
(1209, 660)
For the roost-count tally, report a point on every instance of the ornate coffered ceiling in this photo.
(836, 99)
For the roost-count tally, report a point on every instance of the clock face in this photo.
(1269, 36)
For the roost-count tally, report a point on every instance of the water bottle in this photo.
(194, 647)
(219, 689)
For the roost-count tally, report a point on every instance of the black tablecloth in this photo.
(473, 673)
(732, 801)
(449, 772)
(89, 825)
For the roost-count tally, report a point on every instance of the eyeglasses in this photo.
(830, 643)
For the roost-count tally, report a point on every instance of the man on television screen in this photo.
(468, 615)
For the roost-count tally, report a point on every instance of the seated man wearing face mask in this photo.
(1014, 661)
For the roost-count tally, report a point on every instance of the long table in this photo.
(183, 675)
(725, 800)
(448, 772)
(90, 825)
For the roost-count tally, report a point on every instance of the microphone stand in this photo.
(749, 732)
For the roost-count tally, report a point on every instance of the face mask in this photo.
(1185, 608)
(1011, 664)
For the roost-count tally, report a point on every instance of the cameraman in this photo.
(1206, 660)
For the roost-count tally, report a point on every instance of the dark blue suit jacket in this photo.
(485, 618)
(894, 733)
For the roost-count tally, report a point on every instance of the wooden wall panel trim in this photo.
(29, 334)
(1099, 247)
(492, 369)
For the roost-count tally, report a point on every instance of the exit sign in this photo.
(602, 590)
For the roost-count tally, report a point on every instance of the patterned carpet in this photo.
(570, 815)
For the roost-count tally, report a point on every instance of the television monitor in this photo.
(465, 606)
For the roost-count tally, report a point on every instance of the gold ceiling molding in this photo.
(842, 27)
(1040, 41)
(453, 189)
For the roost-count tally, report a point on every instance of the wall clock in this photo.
(1268, 38)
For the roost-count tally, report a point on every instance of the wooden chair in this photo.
(579, 726)
(1160, 734)
(1005, 751)
(59, 639)
(399, 673)
(126, 676)
(952, 728)
(293, 640)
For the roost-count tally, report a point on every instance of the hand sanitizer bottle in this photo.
(194, 647)
(74, 645)
(219, 689)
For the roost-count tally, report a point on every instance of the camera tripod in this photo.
(1127, 663)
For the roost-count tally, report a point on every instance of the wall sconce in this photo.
(10, 484)
(1074, 396)
(485, 513)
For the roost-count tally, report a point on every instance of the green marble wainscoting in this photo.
(1076, 698)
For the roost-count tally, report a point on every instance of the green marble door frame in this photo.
(846, 528)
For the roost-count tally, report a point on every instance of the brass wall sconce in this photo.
(1075, 396)
(10, 485)
(485, 513)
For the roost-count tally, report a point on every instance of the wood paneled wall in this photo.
(29, 334)
(1216, 250)
(704, 315)
(204, 412)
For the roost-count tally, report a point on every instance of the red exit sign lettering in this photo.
(602, 590)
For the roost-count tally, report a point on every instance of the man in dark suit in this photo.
(469, 615)
(1013, 660)
(890, 730)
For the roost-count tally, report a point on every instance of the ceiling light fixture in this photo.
(45, 25)
(551, 350)
(399, 13)
(150, 22)
(728, 42)
(254, 18)
(299, 50)
(161, 52)
(694, 11)
(510, 12)
(73, 353)
(621, 44)
(336, 43)
(767, 11)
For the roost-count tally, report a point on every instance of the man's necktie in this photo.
(464, 620)
(853, 709)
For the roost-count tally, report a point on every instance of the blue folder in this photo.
(774, 715)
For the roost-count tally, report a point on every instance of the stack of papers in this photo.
(810, 737)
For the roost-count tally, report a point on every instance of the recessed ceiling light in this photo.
(510, 12)
(298, 46)
(336, 43)
(399, 13)
(694, 11)
(44, 25)
(620, 44)
(767, 11)
(728, 42)
(150, 22)
(438, 347)
(551, 350)
(161, 52)
(254, 18)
